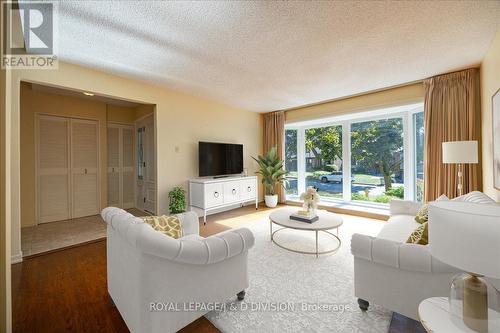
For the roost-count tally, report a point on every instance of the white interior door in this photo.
(114, 166)
(150, 184)
(127, 166)
(146, 168)
(85, 167)
(139, 189)
(53, 193)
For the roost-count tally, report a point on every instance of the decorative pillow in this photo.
(168, 225)
(476, 197)
(423, 214)
(420, 235)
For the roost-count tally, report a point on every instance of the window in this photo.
(418, 130)
(291, 161)
(323, 153)
(377, 157)
(386, 156)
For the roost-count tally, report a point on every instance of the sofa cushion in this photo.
(168, 225)
(398, 227)
(476, 197)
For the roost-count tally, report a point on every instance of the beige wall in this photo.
(143, 110)
(181, 120)
(490, 83)
(384, 98)
(120, 114)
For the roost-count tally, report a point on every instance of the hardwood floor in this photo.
(66, 291)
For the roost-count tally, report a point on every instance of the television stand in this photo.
(209, 195)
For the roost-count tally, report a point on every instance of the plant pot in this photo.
(271, 200)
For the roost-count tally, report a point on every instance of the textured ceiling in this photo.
(265, 56)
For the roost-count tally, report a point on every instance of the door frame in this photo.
(155, 150)
(121, 125)
(36, 132)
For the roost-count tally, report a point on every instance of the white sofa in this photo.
(150, 273)
(394, 274)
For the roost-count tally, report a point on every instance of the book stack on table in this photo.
(304, 216)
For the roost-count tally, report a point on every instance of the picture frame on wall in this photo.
(495, 106)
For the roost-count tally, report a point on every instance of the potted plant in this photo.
(273, 175)
(177, 200)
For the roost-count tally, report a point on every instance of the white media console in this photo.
(209, 194)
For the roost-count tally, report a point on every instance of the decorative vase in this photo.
(271, 200)
(309, 208)
(472, 299)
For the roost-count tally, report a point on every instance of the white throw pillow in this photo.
(476, 197)
(442, 197)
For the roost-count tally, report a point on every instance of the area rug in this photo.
(291, 292)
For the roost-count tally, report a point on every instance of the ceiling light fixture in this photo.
(88, 93)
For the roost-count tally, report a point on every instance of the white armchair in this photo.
(394, 274)
(149, 271)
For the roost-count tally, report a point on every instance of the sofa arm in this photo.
(410, 257)
(190, 223)
(217, 247)
(203, 251)
(406, 207)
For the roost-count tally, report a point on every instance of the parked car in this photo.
(335, 177)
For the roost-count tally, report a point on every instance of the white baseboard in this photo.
(16, 258)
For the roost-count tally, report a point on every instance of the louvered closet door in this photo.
(128, 175)
(114, 166)
(85, 159)
(53, 196)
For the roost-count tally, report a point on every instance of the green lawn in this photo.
(360, 178)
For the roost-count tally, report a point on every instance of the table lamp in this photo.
(460, 152)
(467, 236)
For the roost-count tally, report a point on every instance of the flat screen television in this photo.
(219, 159)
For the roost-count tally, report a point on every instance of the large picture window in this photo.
(385, 149)
(377, 159)
(323, 150)
(418, 132)
(291, 161)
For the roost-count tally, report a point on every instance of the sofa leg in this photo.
(363, 305)
(241, 295)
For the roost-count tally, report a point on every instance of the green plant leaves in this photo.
(177, 200)
(271, 170)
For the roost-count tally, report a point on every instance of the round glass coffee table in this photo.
(327, 221)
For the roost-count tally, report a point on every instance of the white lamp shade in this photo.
(460, 152)
(466, 235)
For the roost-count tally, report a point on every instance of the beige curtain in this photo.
(274, 132)
(452, 113)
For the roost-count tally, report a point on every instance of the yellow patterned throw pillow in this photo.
(168, 225)
(420, 235)
(423, 214)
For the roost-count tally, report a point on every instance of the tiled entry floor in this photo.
(54, 235)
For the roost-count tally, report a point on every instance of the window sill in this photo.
(371, 210)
